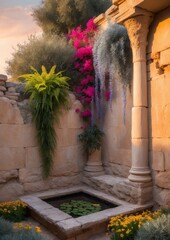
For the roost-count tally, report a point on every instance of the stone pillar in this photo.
(137, 28)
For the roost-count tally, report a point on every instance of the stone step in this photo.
(118, 187)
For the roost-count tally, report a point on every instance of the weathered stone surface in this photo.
(67, 137)
(33, 158)
(1, 93)
(30, 175)
(120, 170)
(160, 27)
(36, 186)
(17, 135)
(158, 161)
(139, 122)
(11, 94)
(12, 90)
(2, 88)
(12, 158)
(3, 77)
(8, 175)
(162, 179)
(9, 114)
(165, 57)
(11, 84)
(12, 97)
(25, 111)
(10, 191)
(64, 181)
(161, 196)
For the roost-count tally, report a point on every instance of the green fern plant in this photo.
(48, 96)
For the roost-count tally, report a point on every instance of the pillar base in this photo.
(141, 176)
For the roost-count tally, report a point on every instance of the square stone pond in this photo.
(47, 208)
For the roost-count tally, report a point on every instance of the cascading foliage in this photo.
(112, 57)
(48, 95)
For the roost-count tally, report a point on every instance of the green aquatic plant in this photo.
(80, 207)
(48, 96)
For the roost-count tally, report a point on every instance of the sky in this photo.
(16, 25)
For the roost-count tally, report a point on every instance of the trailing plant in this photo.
(158, 229)
(112, 58)
(91, 138)
(80, 207)
(14, 211)
(48, 96)
(126, 227)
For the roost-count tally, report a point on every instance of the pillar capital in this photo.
(137, 28)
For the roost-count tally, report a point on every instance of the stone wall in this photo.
(20, 162)
(117, 139)
(158, 55)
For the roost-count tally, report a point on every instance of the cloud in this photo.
(16, 24)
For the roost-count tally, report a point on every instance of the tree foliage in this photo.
(40, 51)
(59, 16)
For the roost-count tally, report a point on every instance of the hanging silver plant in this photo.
(112, 56)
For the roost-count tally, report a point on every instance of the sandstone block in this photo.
(166, 120)
(11, 158)
(11, 89)
(74, 120)
(1, 93)
(165, 57)
(2, 88)
(11, 84)
(33, 158)
(5, 176)
(158, 161)
(10, 191)
(162, 180)
(17, 135)
(30, 175)
(161, 196)
(12, 97)
(36, 186)
(11, 94)
(67, 161)
(64, 181)
(9, 114)
(3, 77)
(67, 137)
(167, 159)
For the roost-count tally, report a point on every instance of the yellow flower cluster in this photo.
(27, 226)
(126, 226)
(5, 206)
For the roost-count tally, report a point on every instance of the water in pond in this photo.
(79, 204)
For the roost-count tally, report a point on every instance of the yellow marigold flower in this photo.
(38, 229)
(121, 235)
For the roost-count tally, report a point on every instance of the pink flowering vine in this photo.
(82, 41)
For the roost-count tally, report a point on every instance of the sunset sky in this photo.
(16, 24)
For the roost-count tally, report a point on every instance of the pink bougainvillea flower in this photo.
(91, 26)
(78, 89)
(86, 113)
(83, 52)
(107, 95)
(84, 81)
(89, 91)
(87, 100)
(77, 110)
(88, 65)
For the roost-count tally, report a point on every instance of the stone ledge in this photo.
(67, 227)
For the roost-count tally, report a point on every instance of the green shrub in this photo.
(14, 211)
(38, 51)
(5, 227)
(165, 210)
(158, 229)
(91, 139)
(22, 235)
